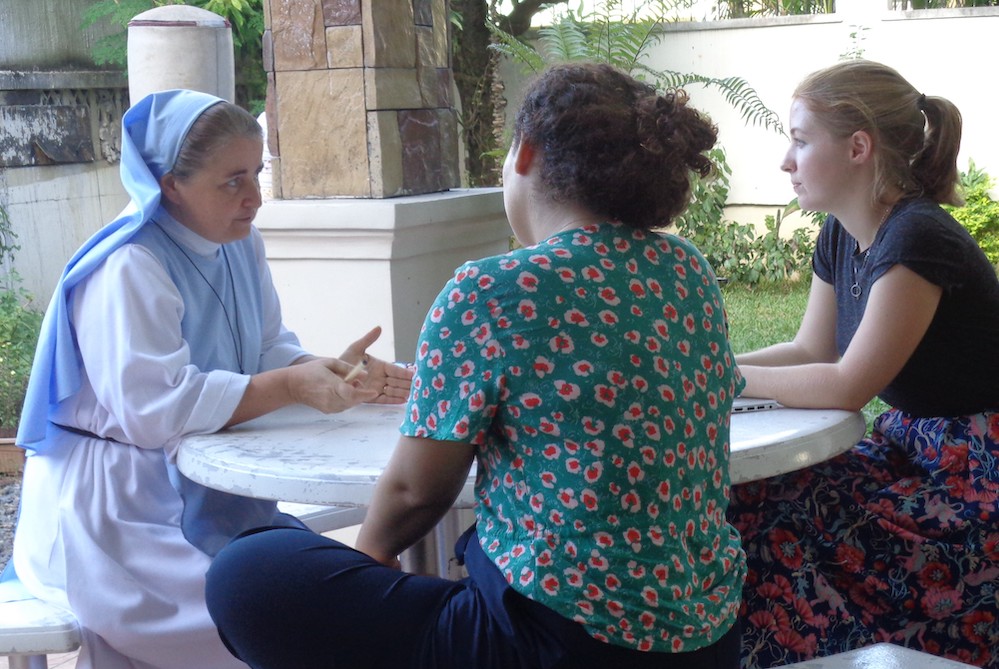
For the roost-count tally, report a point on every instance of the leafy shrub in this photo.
(20, 322)
(980, 213)
(734, 250)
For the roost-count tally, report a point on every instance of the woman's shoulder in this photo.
(921, 222)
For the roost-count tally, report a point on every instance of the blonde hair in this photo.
(916, 137)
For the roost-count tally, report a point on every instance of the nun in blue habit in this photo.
(164, 324)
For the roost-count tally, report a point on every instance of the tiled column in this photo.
(367, 221)
(359, 103)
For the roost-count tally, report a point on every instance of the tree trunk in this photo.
(474, 67)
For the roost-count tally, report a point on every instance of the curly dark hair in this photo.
(613, 144)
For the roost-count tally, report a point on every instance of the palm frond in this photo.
(736, 91)
(608, 34)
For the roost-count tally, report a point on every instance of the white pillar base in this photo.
(342, 266)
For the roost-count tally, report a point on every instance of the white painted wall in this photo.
(950, 53)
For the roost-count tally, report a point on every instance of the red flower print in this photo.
(625, 435)
(940, 603)
(786, 548)
(589, 499)
(530, 400)
(598, 339)
(631, 502)
(935, 575)
(615, 608)
(528, 310)
(608, 317)
(609, 295)
(548, 427)
(543, 366)
(561, 343)
(527, 282)
(593, 426)
(605, 395)
(567, 496)
(976, 626)
(577, 317)
(541, 261)
(492, 350)
(593, 274)
(567, 275)
(593, 472)
(550, 585)
(792, 641)
(655, 287)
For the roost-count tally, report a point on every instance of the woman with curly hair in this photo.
(589, 377)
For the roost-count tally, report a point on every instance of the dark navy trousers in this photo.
(286, 598)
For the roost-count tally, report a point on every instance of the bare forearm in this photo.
(266, 392)
(809, 386)
(395, 522)
(419, 485)
(778, 355)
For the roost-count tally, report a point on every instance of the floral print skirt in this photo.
(896, 540)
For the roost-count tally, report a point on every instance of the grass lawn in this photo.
(769, 314)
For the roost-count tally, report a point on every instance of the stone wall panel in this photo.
(299, 35)
(322, 132)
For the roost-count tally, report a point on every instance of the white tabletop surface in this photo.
(298, 454)
(880, 656)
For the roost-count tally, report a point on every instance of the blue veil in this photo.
(152, 133)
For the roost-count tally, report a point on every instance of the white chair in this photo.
(324, 518)
(31, 629)
(880, 656)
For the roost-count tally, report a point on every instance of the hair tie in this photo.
(922, 102)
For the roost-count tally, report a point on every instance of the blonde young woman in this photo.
(897, 540)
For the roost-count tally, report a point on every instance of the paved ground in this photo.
(68, 660)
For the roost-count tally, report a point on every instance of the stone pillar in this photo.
(359, 103)
(177, 46)
(367, 221)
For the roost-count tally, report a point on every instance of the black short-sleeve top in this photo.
(954, 370)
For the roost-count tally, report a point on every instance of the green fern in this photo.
(608, 34)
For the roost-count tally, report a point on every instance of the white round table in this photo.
(300, 455)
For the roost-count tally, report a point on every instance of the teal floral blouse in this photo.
(593, 373)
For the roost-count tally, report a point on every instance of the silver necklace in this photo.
(856, 290)
(234, 332)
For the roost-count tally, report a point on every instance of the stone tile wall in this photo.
(359, 103)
